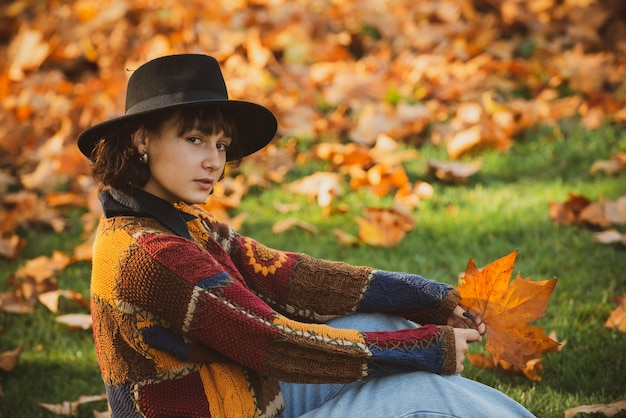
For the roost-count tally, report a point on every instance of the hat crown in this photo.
(174, 79)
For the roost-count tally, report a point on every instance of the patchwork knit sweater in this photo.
(192, 319)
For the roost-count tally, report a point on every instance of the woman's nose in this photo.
(212, 159)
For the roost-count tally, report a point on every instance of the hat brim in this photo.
(256, 125)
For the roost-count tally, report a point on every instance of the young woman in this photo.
(191, 319)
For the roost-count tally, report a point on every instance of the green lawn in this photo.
(502, 208)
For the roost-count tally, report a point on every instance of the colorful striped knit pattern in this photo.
(206, 327)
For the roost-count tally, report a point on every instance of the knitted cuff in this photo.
(442, 312)
(449, 360)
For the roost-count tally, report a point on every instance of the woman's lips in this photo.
(204, 183)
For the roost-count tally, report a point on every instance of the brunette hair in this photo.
(116, 161)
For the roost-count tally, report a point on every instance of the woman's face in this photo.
(182, 167)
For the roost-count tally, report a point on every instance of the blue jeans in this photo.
(411, 394)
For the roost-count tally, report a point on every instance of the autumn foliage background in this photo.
(357, 84)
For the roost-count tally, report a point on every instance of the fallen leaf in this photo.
(610, 236)
(617, 318)
(10, 246)
(10, 303)
(75, 321)
(615, 211)
(343, 154)
(380, 227)
(51, 299)
(345, 238)
(70, 408)
(594, 214)
(282, 226)
(43, 267)
(454, 171)
(613, 166)
(507, 307)
(323, 186)
(608, 410)
(568, 213)
(8, 359)
(286, 207)
(66, 408)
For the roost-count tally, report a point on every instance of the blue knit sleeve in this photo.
(413, 296)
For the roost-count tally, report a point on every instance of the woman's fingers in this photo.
(468, 319)
(462, 338)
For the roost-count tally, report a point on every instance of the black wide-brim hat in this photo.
(186, 80)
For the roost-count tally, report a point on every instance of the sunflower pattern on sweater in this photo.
(207, 326)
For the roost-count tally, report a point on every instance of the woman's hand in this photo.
(462, 338)
(468, 328)
(460, 318)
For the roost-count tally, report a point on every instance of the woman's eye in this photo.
(194, 139)
(222, 146)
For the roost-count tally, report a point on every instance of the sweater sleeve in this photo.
(305, 288)
(312, 289)
(196, 298)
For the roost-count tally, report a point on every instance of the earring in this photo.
(144, 158)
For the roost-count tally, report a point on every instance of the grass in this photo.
(503, 207)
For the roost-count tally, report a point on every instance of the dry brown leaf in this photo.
(608, 410)
(75, 321)
(388, 152)
(51, 299)
(10, 246)
(381, 227)
(568, 213)
(345, 238)
(286, 224)
(27, 51)
(617, 318)
(270, 165)
(594, 214)
(10, 303)
(454, 171)
(228, 193)
(43, 267)
(8, 359)
(615, 211)
(286, 207)
(609, 236)
(66, 408)
(322, 186)
(343, 154)
(382, 179)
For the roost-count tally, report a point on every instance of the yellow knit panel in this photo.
(320, 331)
(108, 248)
(227, 391)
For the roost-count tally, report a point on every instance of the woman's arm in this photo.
(189, 290)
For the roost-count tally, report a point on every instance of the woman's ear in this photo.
(140, 140)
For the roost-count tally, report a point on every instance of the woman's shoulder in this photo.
(133, 225)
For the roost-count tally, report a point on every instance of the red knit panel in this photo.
(266, 270)
(422, 336)
(189, 261)
(245, 334)
(182, 397)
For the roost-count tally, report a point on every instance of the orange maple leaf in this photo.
(506, 308)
